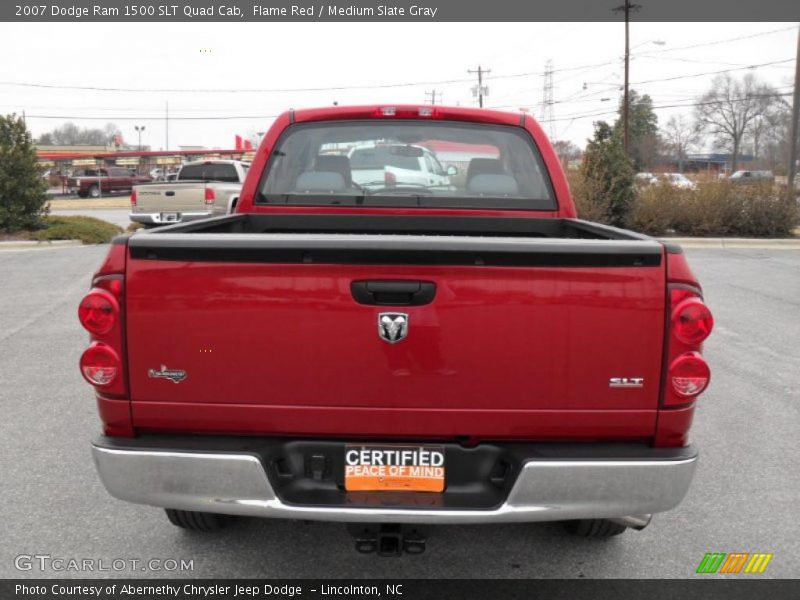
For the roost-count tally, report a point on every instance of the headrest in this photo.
(320, 181)
(493, 185)
(335, 164)
(484, 166)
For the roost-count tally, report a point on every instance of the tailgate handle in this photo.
(393, 293)
(170, 193)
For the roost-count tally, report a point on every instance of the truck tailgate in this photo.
(178, 197)
(523, 337)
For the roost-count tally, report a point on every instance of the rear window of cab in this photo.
(407, 163)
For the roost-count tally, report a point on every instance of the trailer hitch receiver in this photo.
(386, 539)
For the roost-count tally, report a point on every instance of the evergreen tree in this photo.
(608, 176)
(642, 130)
(22, 189)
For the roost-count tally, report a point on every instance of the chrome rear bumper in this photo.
(545, 490)
(155, 218)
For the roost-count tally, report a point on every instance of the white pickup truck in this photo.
(397, 165)
(202, 189)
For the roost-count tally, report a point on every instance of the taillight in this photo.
(133, 197)
(389, 179)
(211, 196)
(98, 312)
(689, 375)
(692, 321)
(102, 314)
(100, 364)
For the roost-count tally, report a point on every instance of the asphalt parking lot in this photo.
(744, 498)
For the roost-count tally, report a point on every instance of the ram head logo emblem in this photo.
(393, 327)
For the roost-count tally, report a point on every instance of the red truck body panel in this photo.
(298, 333)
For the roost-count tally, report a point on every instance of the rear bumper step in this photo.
(549, 482)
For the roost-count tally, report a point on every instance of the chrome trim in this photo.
(546, 490)
(155, 218)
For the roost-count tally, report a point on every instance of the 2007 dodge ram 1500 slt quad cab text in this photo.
(400, 355)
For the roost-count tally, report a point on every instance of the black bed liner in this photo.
(398, 240)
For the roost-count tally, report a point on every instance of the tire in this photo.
(83, 194)
(594, 528)
(196, 521)
(94, 192)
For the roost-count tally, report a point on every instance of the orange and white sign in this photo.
(394, 468)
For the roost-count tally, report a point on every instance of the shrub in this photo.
(653, 211)
(715, 208)
(87, 229)
(22, 189)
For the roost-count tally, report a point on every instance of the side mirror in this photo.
(452, 170)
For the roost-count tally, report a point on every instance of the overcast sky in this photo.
(587, 60)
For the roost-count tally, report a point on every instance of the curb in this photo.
(36, 245)
(723, 243)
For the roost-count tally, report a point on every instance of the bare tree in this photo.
(566, 151)
(680, 136)
(69, 134)
(729, 109)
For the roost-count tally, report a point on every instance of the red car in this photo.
(92, 183)
(398, 352)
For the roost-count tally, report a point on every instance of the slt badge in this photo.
(393, 327)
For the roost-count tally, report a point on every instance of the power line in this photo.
(725, 41)
(205, 118)
(372, 86)
(755, 66)
(243, 117)
(681, 105)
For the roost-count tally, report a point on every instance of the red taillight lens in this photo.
(100, 365)
(692, 321)
(210, 196)
(689, 374)
(133, 198)
(389, 179)
(98, 312)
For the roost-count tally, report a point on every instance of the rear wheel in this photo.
(196, 521)
(594, 528)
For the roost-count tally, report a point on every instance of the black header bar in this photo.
(239, 11)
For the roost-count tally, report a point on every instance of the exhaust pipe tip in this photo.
(637, 522)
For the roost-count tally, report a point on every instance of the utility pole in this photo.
(626, 8)
(480, 90)
(432, 95)
(792, 171)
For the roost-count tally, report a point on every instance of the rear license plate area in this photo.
(395, 468)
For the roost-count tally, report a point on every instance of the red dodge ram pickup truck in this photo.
(94, 182)
(400, 352)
